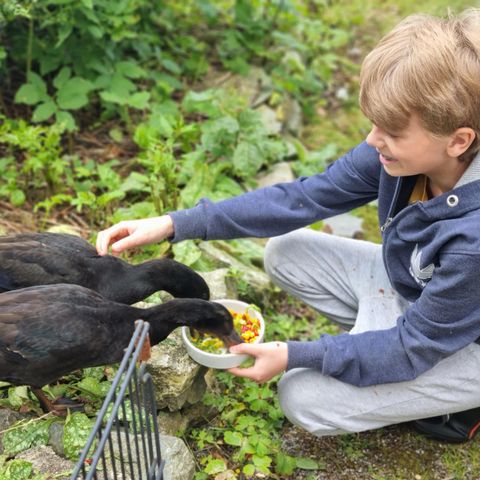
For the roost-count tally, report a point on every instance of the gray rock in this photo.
(250, 90)
(55, 437)
(65, 229)
(257, 278)
(345, 225)
(174, 423)
(179, 462)
(176, 377)
(290, 112)
(45, 461)
(269, 119)
(280, 172)
(220, 284)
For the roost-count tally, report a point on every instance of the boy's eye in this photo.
(392, 135)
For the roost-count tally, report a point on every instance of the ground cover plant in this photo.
(123, 109)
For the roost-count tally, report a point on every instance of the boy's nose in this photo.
(375, 137)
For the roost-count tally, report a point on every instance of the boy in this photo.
(413, 305)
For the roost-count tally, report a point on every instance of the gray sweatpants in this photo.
(345, 280)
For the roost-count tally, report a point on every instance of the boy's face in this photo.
(414, 150)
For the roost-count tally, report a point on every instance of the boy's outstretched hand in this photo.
(133, 233)
(270, 359)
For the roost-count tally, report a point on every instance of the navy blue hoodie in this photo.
(431, 252)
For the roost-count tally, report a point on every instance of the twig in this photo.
(41, 417)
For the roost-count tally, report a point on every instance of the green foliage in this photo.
(26, 434)
(71, 94)
(76, 432)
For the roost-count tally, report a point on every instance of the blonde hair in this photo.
(429, 66)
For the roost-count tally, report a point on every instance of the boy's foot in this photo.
(453, 428)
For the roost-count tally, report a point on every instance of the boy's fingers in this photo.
(124, 244)
(241, 372)
(106, 237)
(243, 348)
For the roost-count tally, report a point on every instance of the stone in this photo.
(220, 284)
(269, 119)
(65, 229)
(344, 225)
(280, 172)
(249, 90)
(46, 462)
(55, 437)
(257, 278)
(289, 113)
(179, 461)
(175, 423)
(176, 377)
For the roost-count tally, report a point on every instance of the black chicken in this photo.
(46, 258)
(48, 331)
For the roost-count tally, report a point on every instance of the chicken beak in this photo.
(233, 338)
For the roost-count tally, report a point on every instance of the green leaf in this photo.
(262, 463)
(172, 66)
(233, 438)
(116, 134)
(44, 111)
(88, 4)
(25, 435)
(28, 94)
(130, 69)
(17, 197)
(121, 85)
(247, 159)
(215, 465)
(62, 77)
(73, 93)
(186, 252)
(136, 182)
(16, 469)
(113, 97)
(285, 464)
(205, 102)
(76, 432)
(90, 385)
(66, 119)
(64, 32)
(139, 100)
(108, 197)
(307, 463)
(248, 470)
(37, 80)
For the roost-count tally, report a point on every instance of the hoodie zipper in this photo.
(393, 205)
(387, 223)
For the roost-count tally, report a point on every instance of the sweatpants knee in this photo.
(294, 394)
(278, 249)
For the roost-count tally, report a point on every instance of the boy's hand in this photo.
(270, 359)
(133, 233)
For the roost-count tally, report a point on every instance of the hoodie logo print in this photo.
(420, 275)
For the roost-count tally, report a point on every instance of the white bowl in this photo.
(223, 360)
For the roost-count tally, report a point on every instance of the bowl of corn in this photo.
(211, 352)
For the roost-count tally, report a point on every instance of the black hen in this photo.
(48, 331)
(46, 258)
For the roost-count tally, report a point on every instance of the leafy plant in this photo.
(71, 94)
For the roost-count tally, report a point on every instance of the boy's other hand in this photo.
(133, 233)
(270, 360)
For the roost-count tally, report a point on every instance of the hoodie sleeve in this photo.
(349, 182)
(442, 321)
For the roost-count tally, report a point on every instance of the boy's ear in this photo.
(460, 140)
